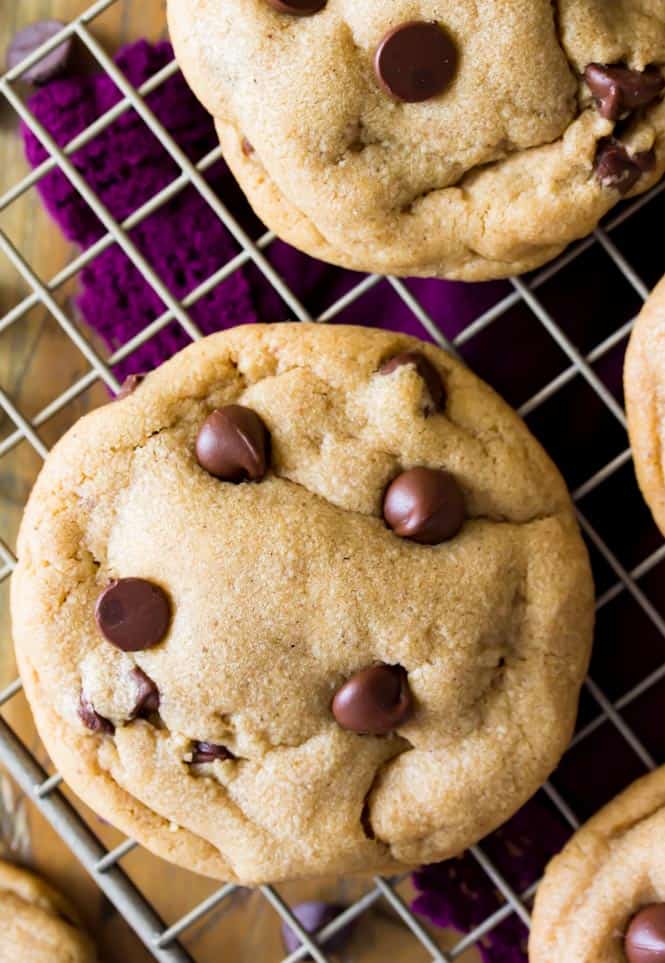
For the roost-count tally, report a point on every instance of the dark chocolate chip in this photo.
(147, 694)
(246, 147)
(233, 444)
(92, 720)
(616, 168)
(416, 61)
(425, 369)
(374, 701)
(618, 90)
(313, 916)
(425, 505)
(645, 938)
(28, 40)
(209, 752)
(129, 386)
(133, 614)
(299, 8)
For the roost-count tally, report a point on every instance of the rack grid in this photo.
(45, 790)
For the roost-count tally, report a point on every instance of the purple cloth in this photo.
(458, 895)
(125, 166)
(184, 241)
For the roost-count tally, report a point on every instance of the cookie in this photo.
(461, 140)
(602, 899)
(644, 384)
(38, 924)
(310, 600)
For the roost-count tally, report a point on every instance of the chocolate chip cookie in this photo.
(644, 381)
(309, 600)
(603, 897)
(462, 140)
(38, 924)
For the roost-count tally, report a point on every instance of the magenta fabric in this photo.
(184, 241)
(125, 166)
(458, 894)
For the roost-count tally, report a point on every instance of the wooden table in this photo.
(37, 362)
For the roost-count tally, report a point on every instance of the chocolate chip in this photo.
(28, 40)
(129, 386)
(645, 939)
(299, 8)
(616, 168)
(133, 614)
(209, 752)
(416, 61)
(425, 369)
(246, 147)
(92, 720)
(374, 701)
(618, 90)
(313, 916)
(233, 444)
(147, 694)
(425, 505)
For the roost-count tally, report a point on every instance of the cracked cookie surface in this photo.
(495, 172)
(224, 752)
(596, 889)
(644, 381)
(38, 924)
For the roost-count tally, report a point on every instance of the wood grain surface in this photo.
(37, 362)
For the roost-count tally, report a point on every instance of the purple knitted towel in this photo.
(184, 241)
(125, 166)
(458, 895)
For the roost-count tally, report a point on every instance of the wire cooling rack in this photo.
(602, 710)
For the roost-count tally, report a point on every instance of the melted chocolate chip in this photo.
(53, 64)
(147, 694)
(92, 720)
(209, 752)
(616, 168)
(299, 8)
(424, 505)
(425, 369)
(233, 444)
(133, 614)
(645, 938)
(618, 90)
(416, 61)
(374, 701)
(129, 386)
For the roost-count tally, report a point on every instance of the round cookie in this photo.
(355, 675)
(597, 897)
(459, 140)
(38, 924)
(644, 383)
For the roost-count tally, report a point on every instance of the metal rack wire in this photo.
(44, 790)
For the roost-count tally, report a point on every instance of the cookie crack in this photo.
(534, 519)
(558, 32)
(365, 812)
